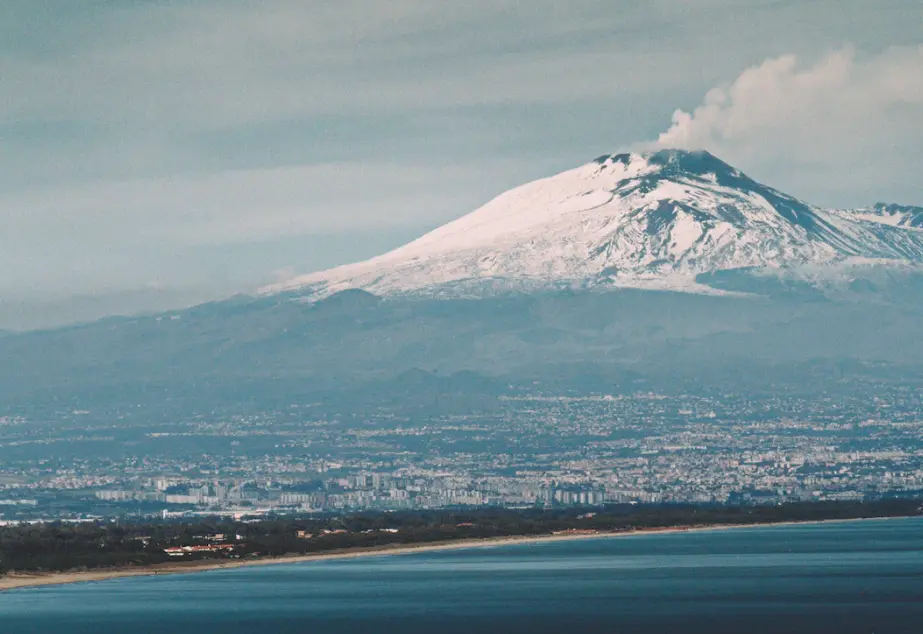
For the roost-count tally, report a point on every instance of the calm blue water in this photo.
(843, 578)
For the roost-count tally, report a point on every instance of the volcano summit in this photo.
(652, 220)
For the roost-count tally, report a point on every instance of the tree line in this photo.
(61, 546)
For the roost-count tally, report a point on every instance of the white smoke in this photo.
(842, 115)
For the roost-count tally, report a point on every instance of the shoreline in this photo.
(25, 580)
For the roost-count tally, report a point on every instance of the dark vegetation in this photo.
(64, 546)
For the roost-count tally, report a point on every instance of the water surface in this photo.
(857, 577)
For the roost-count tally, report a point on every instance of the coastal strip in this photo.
(13, 581)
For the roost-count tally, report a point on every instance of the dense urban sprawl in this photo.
(524, 450)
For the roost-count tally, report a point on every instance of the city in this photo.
(525, 450)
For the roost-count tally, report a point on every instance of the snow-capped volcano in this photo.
(649, 219)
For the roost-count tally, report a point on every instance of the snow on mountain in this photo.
(892, 215)
(645, 220)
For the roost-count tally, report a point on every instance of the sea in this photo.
(851, 577)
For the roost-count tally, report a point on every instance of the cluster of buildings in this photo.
(542, 450)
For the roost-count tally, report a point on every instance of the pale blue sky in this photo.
(162, 153)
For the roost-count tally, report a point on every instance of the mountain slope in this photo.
(891, 215)
(656, 219)
(272, 352)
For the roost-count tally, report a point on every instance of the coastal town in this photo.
(529, 450)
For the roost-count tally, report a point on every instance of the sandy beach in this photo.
(16, 580)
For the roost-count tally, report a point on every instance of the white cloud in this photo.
(250, 205)
(223, 64)
(845, 125)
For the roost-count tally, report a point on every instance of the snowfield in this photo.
(652, 220)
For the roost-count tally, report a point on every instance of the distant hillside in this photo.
(358, 350)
